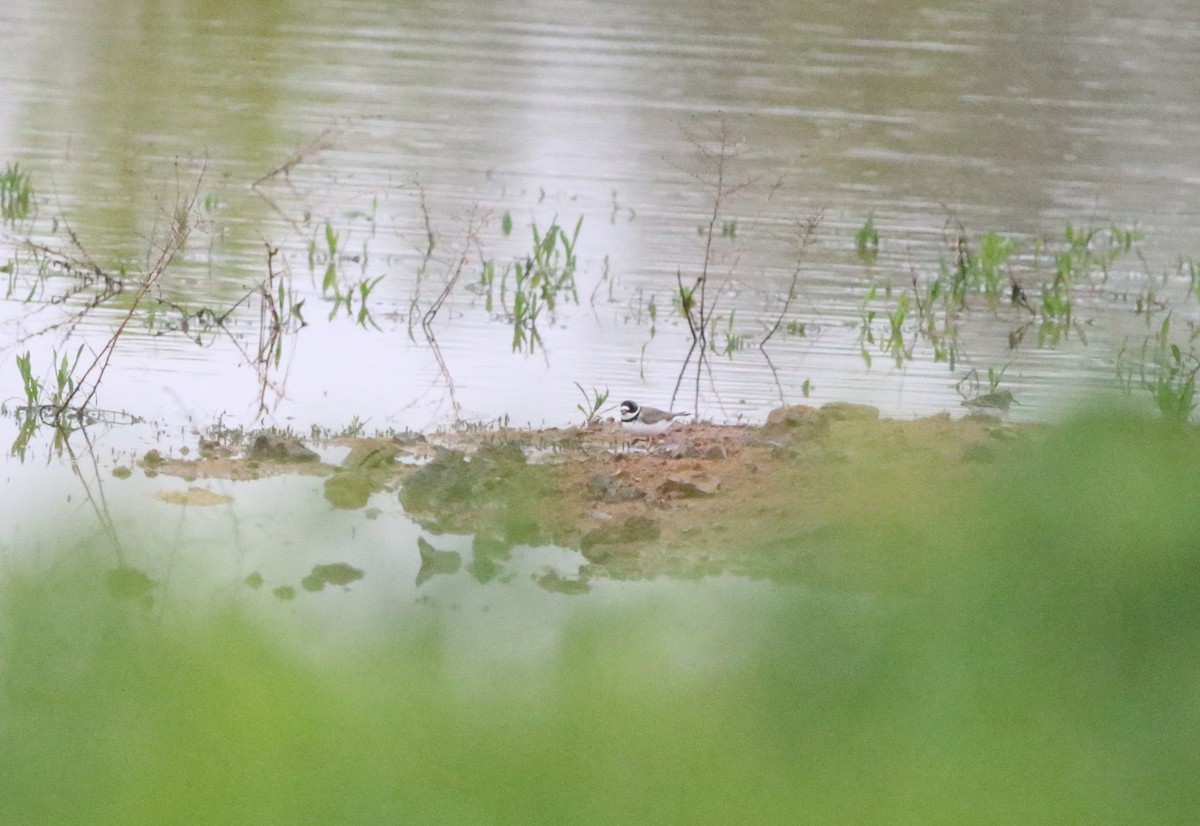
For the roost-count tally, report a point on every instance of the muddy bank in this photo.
(831, 495)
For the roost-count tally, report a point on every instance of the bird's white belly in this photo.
(643, 429)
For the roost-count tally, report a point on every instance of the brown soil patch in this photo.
(830, 494)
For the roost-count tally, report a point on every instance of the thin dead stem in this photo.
(177, 236)
(475, 223)
(805, 237)
(318, 144)
(697, 308)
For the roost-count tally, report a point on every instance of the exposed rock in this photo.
(792, 416)
(277, 449)
(372, 454)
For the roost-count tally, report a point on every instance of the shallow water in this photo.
(1004, 116)
(1060, 601)
(1059, 594)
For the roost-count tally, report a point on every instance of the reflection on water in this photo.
(1059, 596)
(171, 541)
(382, 126)
(350, 161)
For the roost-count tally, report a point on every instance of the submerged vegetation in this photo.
(981, 275)
(955, 588)
(1044, 291)
(1165, 371)
(16, 194)
(538, 283)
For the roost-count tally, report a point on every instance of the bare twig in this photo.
(806, 236)
(474, 223)
(805, 233)
(427, 255)
(696, 306)
(318, 144)
(173, 244)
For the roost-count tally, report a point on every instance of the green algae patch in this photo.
(351, 490)
(493, 492)
(366, 470)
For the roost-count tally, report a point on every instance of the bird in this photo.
(646, 421)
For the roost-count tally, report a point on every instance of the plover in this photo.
(646, 421)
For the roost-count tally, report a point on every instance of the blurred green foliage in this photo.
(1048, 671)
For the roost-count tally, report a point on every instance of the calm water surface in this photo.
(1006, 116)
